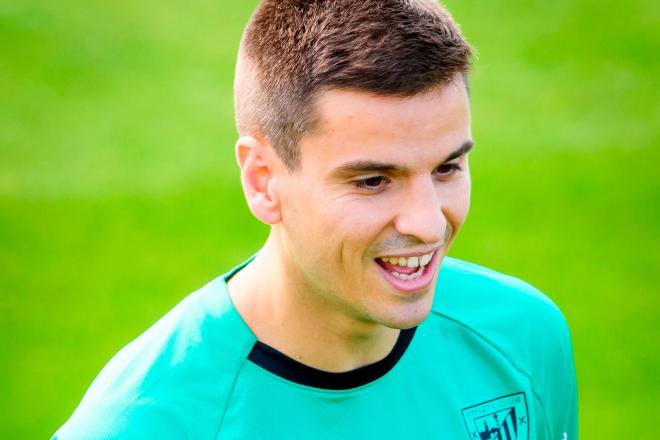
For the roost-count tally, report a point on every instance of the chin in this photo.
(408, 316)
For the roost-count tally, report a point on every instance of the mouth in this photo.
(409, 273)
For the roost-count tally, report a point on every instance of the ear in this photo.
(257, 162)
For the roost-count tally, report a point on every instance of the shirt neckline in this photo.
(290, 369)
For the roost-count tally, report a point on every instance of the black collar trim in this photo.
(290, 369)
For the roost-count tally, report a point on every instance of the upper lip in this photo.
(406, 254)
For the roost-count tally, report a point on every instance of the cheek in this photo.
(357, 219)
(302, 223)
(456, 200)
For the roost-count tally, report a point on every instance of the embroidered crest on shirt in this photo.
(504, 418)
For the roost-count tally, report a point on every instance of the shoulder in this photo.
(511, 315)
(174, 378)
(469, 291)
(523, 325)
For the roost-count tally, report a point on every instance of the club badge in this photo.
(504, 418)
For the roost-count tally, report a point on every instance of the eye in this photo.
(447, 169)
(372, 183)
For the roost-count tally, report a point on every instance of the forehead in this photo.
(355, 125)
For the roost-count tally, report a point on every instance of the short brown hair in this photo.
(292, 50)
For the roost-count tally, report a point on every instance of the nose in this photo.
(420, 212)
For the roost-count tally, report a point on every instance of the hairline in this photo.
(314, 98)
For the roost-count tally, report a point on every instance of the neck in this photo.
(282, 313)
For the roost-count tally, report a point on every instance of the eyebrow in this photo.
(362, 166)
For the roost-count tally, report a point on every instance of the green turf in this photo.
(119, 194)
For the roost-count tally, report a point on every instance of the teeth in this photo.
(424, 259)
(412, 276)
(410, 261)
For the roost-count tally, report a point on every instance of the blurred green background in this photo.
(119, 193)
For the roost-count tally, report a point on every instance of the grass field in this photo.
(119, 194)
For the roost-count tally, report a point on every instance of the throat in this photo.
(304, 327)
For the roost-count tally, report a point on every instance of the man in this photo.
(350, 322)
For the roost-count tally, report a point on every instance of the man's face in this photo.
(382, 190)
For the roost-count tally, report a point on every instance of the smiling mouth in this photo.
(406, 268)
(409, 273)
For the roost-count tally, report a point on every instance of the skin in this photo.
(315, 291)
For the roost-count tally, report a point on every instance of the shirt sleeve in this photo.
(556, 382)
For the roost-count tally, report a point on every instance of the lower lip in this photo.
(419, 283)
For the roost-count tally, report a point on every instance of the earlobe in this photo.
(256, 161)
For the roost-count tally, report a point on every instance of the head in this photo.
(355, 127)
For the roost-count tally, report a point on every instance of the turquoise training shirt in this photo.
(493, 360)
